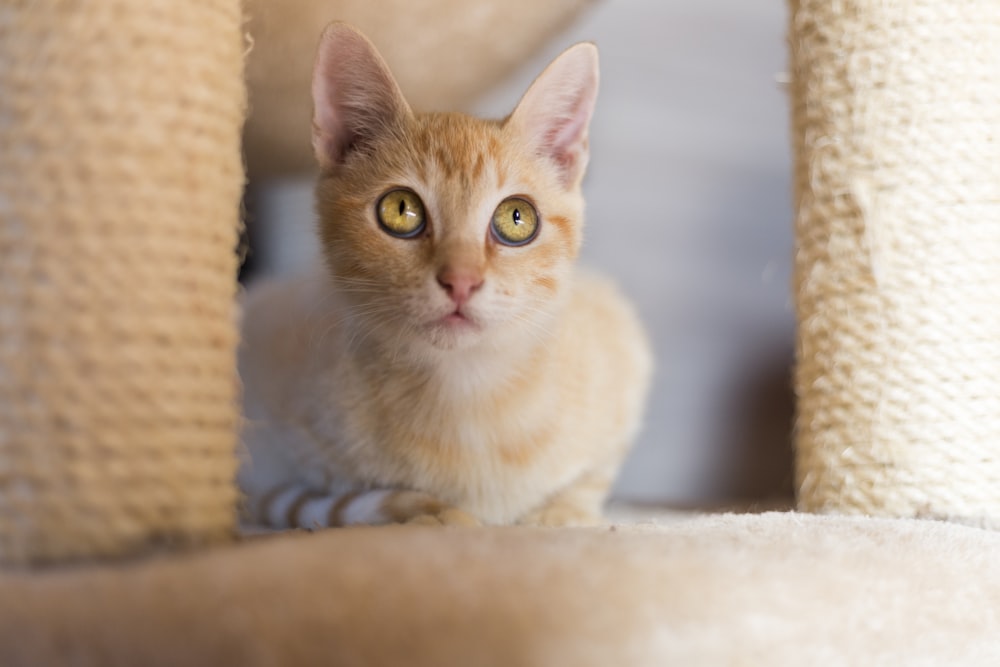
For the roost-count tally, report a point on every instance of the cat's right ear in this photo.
(355, 97)
(555, 112)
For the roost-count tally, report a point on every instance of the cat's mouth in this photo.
(453, 329)
(457, 321)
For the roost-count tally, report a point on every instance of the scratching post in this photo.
(120, 177)
(896, 114)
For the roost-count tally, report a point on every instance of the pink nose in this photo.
(459, 283)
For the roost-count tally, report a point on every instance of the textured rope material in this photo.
(896, 113)
(120, 178)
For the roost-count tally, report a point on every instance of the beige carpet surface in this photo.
(771, 589)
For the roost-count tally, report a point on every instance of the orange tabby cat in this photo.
(448, 363)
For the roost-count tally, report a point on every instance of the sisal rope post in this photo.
(896, 115)
(120, 180)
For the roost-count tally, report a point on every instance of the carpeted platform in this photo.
(770, 589)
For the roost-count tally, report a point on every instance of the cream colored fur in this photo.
(354, 376)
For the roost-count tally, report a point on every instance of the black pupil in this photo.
(517, 216)
(402, 206)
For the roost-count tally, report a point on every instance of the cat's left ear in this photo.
(554, 115)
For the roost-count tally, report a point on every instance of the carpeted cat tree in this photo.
(119, 188)
(896, 115)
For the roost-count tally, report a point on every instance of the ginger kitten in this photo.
(448, 363)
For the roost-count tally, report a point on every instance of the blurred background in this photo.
(688, 193)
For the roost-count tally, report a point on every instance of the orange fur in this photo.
(353, 379)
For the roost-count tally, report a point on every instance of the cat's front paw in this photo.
(562, 515)
(416, 508)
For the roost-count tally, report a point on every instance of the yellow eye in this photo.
(401, 213)
(515, 221)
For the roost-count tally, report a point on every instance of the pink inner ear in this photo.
(567, 140)
(557, 108)
(328, 128)
(568, 133)
(354, 94)
(564, 134)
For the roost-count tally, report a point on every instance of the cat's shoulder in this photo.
(275, 299)
(599, 306)
(595, 294)
(602, 332)
(281, 312)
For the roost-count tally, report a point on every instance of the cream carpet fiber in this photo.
(770, 589)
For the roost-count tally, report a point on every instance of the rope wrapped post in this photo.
(896, 125)
(120, 181)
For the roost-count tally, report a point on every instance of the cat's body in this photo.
(447, 363)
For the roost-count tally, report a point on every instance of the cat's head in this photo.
(444, 231)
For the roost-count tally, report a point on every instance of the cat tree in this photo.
(120, 177)
(896, 118)
(120, 182)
